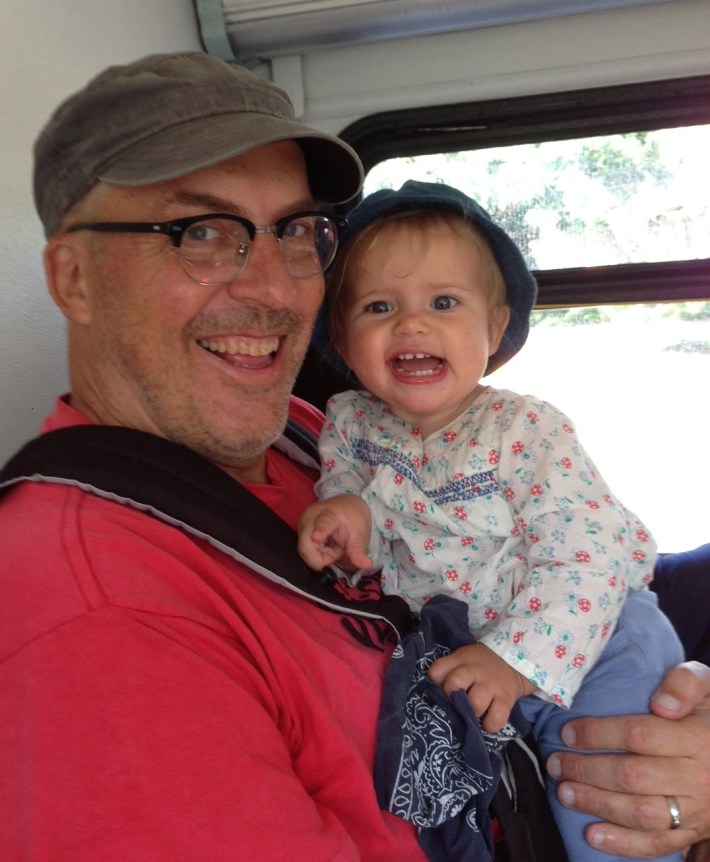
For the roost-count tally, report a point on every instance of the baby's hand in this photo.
(491, 684)
(336, 531)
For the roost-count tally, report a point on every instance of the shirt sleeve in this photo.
(129, 745)
(305, 414)
(583, 551)
(342, 472)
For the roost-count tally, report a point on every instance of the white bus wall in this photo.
(336, 87)
(51, 49)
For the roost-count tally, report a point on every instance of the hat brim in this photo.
(521, 287)
(334, 170)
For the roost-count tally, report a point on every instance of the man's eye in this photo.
(379, 307)
(443, 303)
(299, 229)
(201, 232)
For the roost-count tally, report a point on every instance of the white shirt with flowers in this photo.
(501, 508)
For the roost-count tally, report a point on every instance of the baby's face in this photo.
(418, 330)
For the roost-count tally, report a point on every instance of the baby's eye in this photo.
(379, 307)
(443, 303)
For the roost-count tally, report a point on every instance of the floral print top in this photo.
(501, 508)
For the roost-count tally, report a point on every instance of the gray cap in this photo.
(167, 115)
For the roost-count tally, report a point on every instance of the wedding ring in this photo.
(674, 811)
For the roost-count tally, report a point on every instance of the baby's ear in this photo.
(65, 267)
(498, 321)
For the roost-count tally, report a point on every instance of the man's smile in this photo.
(241, 345)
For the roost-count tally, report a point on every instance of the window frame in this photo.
(566, 115)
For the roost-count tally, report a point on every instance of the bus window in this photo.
(616, 227)
(637, 197)
(634, 378)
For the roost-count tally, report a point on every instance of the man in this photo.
(161, 699)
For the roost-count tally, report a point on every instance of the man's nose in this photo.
(265, 278)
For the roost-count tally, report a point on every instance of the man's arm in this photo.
(127, 744)
(667, 754)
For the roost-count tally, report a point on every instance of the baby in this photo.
(450, 486)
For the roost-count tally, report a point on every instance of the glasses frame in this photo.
(175, 229)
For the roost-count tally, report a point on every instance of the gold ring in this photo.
(674, 811)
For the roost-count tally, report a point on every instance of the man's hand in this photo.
(491, 684)
(336, 531)
(668, 754)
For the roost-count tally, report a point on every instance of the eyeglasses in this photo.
(214, 248)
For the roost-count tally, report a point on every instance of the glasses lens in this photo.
(308, 245)
(214, 251)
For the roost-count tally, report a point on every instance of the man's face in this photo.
(208, 367)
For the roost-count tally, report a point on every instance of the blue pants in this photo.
(643, 647)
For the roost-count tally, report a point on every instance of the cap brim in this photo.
(334, 170)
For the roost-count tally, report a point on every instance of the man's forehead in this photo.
(272, 178)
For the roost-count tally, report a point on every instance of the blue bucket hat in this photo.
(521, 287)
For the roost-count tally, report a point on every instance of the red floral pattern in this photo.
(504, 509)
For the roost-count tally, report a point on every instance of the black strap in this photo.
(521, 808)
(303, 438)
(174, 484)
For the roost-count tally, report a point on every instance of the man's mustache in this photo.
(253, 320)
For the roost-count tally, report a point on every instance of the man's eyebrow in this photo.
(203, 200)
(214, 203)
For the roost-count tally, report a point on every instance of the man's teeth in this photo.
(242, 346)
(414, 356)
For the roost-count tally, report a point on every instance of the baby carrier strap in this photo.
(178, 486)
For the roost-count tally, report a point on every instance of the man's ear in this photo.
(498, 321)
(66, 266)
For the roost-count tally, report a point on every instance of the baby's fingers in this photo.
(442, 667)
(313, 554)
(358, 558)
(324, 527)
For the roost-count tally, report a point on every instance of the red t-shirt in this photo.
(159, 701)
